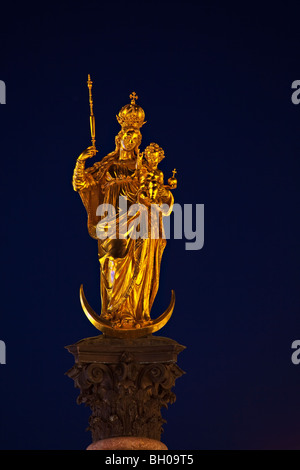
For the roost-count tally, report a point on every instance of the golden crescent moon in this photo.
(105, 326)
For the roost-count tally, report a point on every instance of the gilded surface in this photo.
(130, 258)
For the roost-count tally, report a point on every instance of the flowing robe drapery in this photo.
(130, 259)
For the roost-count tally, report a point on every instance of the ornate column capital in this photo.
(125, 383)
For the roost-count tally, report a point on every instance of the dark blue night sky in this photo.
(215, 84)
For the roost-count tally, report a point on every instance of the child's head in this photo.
(154, 154)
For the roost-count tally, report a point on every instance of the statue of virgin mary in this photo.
(130, 255)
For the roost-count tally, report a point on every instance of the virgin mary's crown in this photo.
(131, 115)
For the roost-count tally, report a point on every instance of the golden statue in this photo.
(125, 198)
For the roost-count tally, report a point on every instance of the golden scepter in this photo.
(92, 117)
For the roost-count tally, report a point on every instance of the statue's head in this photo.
(130, 139)
(131, 116)
(154, 154)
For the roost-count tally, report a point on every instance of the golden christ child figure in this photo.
(151, 178)
(126, 199)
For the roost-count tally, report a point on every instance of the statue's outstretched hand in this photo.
(88, 153)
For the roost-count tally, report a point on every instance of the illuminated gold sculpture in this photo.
(125, 198)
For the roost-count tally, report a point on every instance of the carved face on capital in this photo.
(130, 139)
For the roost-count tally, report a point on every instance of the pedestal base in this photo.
(127, 443)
